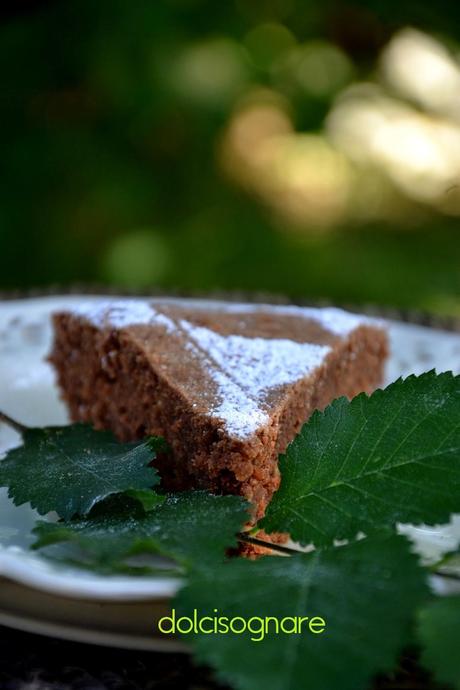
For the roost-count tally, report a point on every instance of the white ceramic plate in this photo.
(28, 393)
(125, 624)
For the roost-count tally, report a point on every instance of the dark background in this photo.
(304, 148)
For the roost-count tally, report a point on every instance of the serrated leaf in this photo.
(439, 633)
(366, 592)
(367, 464)
(191, 528)
(69, 469)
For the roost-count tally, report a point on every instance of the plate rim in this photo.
(48, 578)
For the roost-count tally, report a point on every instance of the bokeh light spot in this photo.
(138, 259)
(268, 42)
(210, 72)
(421, 68)
(318, 68)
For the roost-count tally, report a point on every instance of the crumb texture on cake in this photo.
(227, 385)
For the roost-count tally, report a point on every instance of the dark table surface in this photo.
(33, 662)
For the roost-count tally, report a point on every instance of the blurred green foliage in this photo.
(112, 116)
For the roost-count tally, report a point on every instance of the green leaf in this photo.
(439, 633)
(366, 592)
(367, 464)
(69, 469)
(191, 528)
(146, 497)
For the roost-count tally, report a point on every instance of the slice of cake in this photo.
(228, 385)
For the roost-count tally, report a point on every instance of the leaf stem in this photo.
(17, 426)
(242, 536)
(447, 576)
(289, 551)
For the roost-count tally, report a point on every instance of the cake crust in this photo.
(227, 385)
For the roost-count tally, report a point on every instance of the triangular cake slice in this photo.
(228, 385)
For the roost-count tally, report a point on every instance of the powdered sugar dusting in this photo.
(246, 369)
(332, 319)
(335, 320)
(257, 364)
(122, 313)
(241, 415)
(243, 369)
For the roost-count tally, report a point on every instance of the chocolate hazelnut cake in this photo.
(227, 385)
